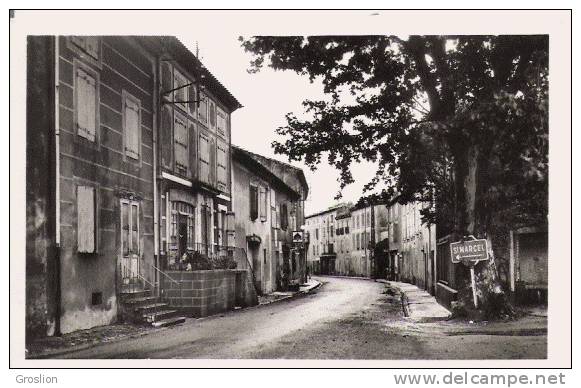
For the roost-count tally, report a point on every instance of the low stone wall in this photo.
(445, 295)
(209, 292)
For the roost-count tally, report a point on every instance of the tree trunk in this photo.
(469, 221)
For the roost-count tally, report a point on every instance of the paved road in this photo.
(344, 319)
(241, 333)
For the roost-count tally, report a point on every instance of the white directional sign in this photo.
(470, 250)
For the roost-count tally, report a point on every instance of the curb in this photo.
(404, 298)
(295, 295)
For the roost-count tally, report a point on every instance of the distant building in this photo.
(417, 247)
(384, 241)
(268, 201)
(321, 253)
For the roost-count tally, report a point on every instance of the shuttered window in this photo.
(221, 121)
(86, 104)
(204, 158)
(181, 144)
(253, 202)
(86, 230)
(132, 125)
(222, 176)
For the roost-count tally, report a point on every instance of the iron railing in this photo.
(160, 291)
(133, 281)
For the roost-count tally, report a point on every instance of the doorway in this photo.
(182, 235)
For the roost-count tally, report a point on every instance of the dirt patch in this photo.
(45, 347)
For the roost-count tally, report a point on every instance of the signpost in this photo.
(470, 252)
(298, 237)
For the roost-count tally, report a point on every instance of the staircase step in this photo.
(130, 293)
(169, 322)
(151, 306)
(144, 299)
(160, 315)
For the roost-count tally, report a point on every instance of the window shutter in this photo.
(262, 204)
(91, 107)
(212, 115)
(284, 216)
(85, 105)
(221, 121)
(79, 41)
(204, 159)
(181, 144)
(92, 46)
(192, 98)
(86, 219)
(222, 165)
(166, 77)
(193, 153)
(132, 128)
(166, 137)
(81, 107)
(212, 151)
(180, 94)
(203, 108)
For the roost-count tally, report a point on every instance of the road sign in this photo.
(298, 237)
(469, 250)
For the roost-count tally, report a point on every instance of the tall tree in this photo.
(463, 119)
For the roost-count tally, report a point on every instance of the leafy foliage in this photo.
(414, 107)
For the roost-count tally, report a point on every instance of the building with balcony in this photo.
(128, 169)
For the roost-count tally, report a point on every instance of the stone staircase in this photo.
(139, 305)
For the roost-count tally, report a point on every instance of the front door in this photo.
(130, 249)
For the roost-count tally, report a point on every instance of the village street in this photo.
(344, 319)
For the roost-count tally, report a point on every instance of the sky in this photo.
(267, 97)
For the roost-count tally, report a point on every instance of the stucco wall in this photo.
(102, 165)
(40, 204)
